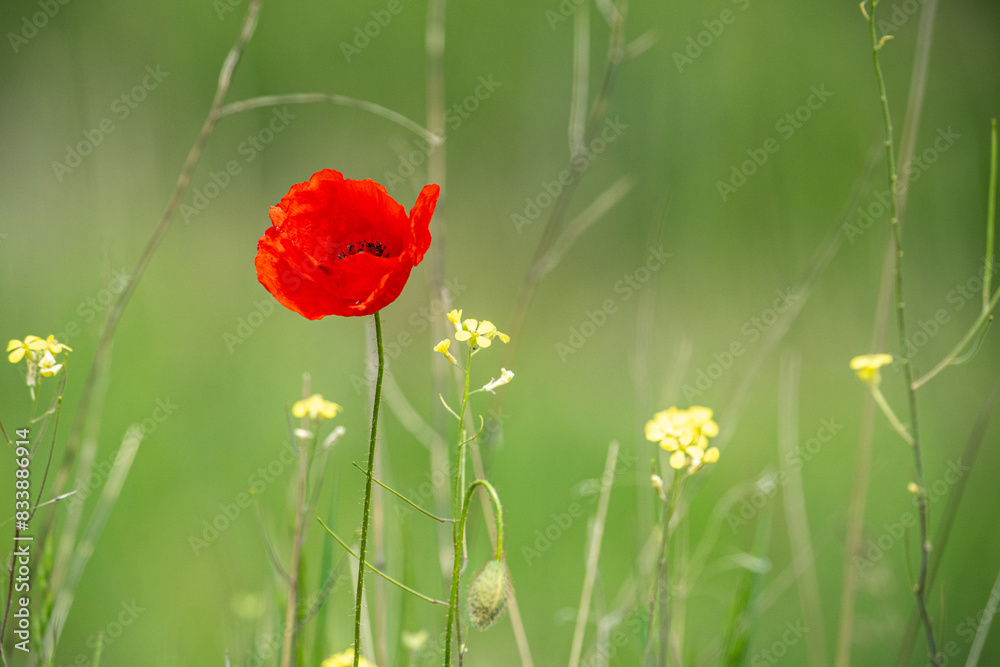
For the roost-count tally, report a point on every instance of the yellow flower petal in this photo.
(712, 455)
(670, 444)
(677, 460)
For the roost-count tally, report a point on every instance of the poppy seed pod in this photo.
(488, 595)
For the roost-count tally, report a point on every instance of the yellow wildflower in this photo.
(442, 347)
(867, 365)
(685, 433)
(345, 659)
(479, 334)
(316, 407)
(17, 349)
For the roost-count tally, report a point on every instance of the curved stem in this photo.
(368, 492)
(460, 534)
(925, 545)
(337, 100)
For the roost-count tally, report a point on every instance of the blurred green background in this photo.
(65, 234)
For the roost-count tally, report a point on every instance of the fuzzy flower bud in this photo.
(488, 595)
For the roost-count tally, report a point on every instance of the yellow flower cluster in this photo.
(476, 333)
(345, 659)
(686, 434)
(39, 354)
(316, 407)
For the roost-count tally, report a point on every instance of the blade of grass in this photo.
(742, 614)
(795, 506)
(985, 621)
(81, 556)
(593, 555)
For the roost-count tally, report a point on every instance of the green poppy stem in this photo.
(368, 492)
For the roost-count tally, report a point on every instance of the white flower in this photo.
(505, 377)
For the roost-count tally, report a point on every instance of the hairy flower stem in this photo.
(925, 545)
(368, 492)
(458, 528)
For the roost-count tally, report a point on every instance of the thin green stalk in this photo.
(368, 491)
(378, 571)
(661, 586)
(890, 415)
(925, 546)
(460, 534)
(298, 537)
(991, 211)
(407, 500)
(978, 327)
(459, 527)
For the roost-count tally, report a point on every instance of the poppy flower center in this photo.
(371, 247)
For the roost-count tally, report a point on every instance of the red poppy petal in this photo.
(420, 220)
(342, 247)
(293, 287)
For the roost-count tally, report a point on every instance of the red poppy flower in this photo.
(337, 246)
